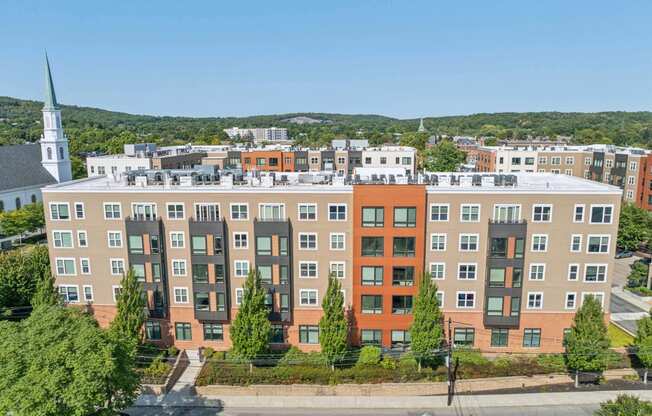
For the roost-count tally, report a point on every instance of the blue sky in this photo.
(398, 58)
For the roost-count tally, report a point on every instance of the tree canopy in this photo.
(643, 340)
(634, 227)
(21, 272)
(26, 219)
(130, 316)
(587, 344)
(250, 330)
(443, 157)
(426, 331)
(333, 325)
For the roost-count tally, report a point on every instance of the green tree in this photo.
(59, 362)
(426, 331)
(643, 342)
(587, 344)
(26, 219)
(634, 227)
(78, 167)
(333, 325)
(443, 157)
(638, 274)
(251, 329)
(21, 271)
(625, 405)
(130, 316)
(46, 293)
(416, 140)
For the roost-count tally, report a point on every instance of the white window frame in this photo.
(633, 165)
(598, 265)
(542, 206)
(235, 268)
(338, 263)
(475, 277)
(81, 265)
(601, 236)
(167, 211)
(108, 238)
(60, 232)
(631, 180)
(465, 292)
(238, 204)
(443, 270)
(104, 204)
(330, 241)
(578, 273)
(527, 305)
(239, 235)
(441, 302)
(83, 216)
(346, 211)
(479, 206)
(571, 158)
(629, 195)
(602, 296)
(439, 235)
(59, 287)
(64, 259)
(306, 204)
(448, 212)
(601, 206)
(174, 271)
(124, 266)
(315, 291)
(207, 204)
(241, 292)
(113, 288)
(79, 241)
(281, 207)
(566, 307)
(84, 293)
(543, 272)
(499, 206)
(583, 206)
(477, 242)
(308, 235)
(152, 205)
(182, 290)
(70, 214)
(183, 239)
(532, 243)
(308, 263)
(572, 242)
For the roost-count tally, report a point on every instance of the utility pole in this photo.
(449, 363)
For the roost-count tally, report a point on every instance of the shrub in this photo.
(468, 356)
(389, 363)
(172, 351)
(369, 355)
(219, 355)
(551, 362)
(157, 371)
(408, 362)
(294, 356)
(625, 404)
(207, 352)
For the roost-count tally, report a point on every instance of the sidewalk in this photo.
(631, 298)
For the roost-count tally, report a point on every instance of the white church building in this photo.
(26, 168)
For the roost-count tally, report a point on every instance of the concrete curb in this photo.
(631, 298)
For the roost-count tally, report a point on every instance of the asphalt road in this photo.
(584, 410)
(619, 305)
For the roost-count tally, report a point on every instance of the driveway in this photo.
(621, 270)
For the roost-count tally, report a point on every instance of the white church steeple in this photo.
(54, 143)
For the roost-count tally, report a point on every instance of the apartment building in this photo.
(259, 135)
(627, 168)
(513, 255)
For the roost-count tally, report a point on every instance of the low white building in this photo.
(390, 157)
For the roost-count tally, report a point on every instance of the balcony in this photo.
(501, 321)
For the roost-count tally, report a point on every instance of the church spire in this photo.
(422, 128)
(50, 102)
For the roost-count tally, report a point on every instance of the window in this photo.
(175, 211)
(241, 268)
(79, 209)
(507, 213)
(629, 195)
(308, 269)
(403, 276)
(532, 338)
(308, 334)
(495, 306)
(153, 330)
(516, 161)
(200, 273)
(466, 271)
(401, 305)
(117, 266)
(337, 212)
(438, 242)
(440, 298)
(555, 160)
(213, 332)
(117, 290)
(156, 272)
(571, 298)
(308, 297)
(631, 180)
(499, 337)
(464, 337)
(515, 306)
(283, 246)
(570, 160)
(576, 243)
(372, 275)
(239, 211)
(439, 212)
(307, 212)
(373, 217)
(437, 270)
(85, 265)
(277, 335)
(543, 160)
(598, 244)
(201, 301)
(115, 239)
(207, 212)
(601, 214)
(599, 296)
(573, 271)
(372, 304)
(135, 244)
(338, 269)
(180, 295)
(404, 247)
(198, 245)
(264, 246)
(177, 240)
(465, 300)
(529, 161)
(183, 331)
(595, 273)
(540, 242)
(537, 271)
(469, 242)
(470, 213)
(587, 161)
(372, 246)
(112, 211)
(239, 294)
(62, 239)
(405, 217)
(517, 277)
(497, 277)
(337, 241)
(371, 337)
(143, 211)
(59, 211)
(632, 166)
(498, 247)
(240, 240)
(178, 267)
(401, 338)
(542, 213)
(307, 241)
(69, 293)
(535, 300)
(519, 248)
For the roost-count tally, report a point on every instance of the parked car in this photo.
(624, 254)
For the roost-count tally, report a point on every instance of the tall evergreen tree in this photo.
(251, 329)
(426, 331)
(333, 325)
(587, 344)
(130, 316)
(643, 342)
(46, 293)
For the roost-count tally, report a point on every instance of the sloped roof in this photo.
(20, 166)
